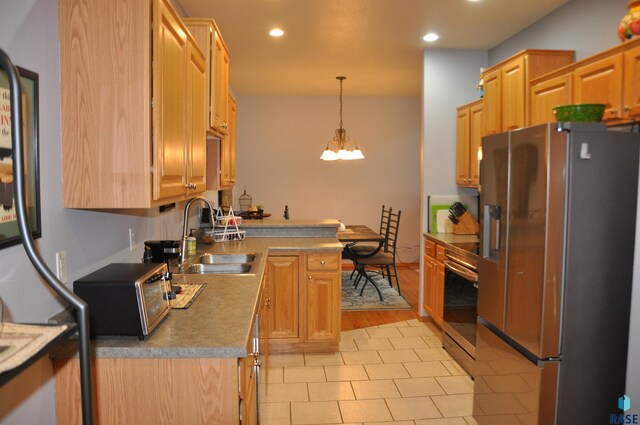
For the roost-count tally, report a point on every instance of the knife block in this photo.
(467, 225)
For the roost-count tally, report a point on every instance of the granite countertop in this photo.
(451, 238)
(281, 223)
(218, 323)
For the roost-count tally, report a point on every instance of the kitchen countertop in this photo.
(290, 228)
(451, 238)
(218, 322)
(281, 223)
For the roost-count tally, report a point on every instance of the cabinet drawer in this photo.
(322, 262)
(440, 253)
(430, 248)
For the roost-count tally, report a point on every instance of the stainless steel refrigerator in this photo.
(558, 212)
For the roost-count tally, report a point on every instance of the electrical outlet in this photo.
(132, 239)
(61, 266)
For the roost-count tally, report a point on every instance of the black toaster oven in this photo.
(125, 298)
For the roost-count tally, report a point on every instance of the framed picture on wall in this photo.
(9, 234)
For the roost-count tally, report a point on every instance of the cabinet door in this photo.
(248, 402)
(228, 150)
(547, 95)
(462, 147)
(475, 140)
(282, 286)
(601, 82)
(632, 83)
(428, 290)
(220, 92)
(513, 94)
(438, 288)
(263, 331)
(169, 104)
(203, 32)
(492, 103)
(196, 125)
(323, 293)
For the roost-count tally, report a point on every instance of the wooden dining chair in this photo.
(366, 248)
(385, 259)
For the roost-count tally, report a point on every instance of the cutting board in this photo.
(437, 226)
(440, 202)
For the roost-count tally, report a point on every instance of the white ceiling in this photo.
(377, 44)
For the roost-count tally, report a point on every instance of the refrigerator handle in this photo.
(492, 230)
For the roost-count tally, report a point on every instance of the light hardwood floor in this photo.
(410, 288)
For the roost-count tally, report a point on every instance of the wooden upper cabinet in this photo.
(506, 87)
(126, 104)
(220, 95)
(611, 77)
(631, 86)
(514, 88)
(601, 82)
(469, 123)
(169, 110)
(548, 94)
(196, 124)
(476, 114)
(228, 150)
(492, 100)
(209, 38)
(462, 146)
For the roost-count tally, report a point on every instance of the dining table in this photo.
(354, 234)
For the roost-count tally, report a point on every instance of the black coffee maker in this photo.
(162, 251)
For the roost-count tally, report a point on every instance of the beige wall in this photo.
(281, 138)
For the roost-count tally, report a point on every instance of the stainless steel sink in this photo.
(226, 258)
(238, 264)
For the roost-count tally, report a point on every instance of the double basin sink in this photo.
(239, 264)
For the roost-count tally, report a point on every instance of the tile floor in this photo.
(391, 374)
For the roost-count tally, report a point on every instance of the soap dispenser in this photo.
(191, 243)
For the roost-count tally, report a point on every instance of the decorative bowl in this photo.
(587, 112)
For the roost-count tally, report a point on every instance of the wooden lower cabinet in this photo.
(283, 275)
(304, 299)
(433, 290)
(322, 310)
(158, 391)
(169, 391)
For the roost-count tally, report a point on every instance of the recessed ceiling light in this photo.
(431, 37)
(276, 32)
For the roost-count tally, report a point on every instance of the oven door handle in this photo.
(466, 273)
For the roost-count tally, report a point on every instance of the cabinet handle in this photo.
(187, 186)
(322, 263)
(195, 186)
(613, 110)
(627, 108)
(268, 302)
(309, 278)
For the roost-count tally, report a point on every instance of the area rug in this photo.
(351, 299)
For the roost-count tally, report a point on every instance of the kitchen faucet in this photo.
(185, 227)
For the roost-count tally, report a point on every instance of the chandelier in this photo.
(341, 147)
